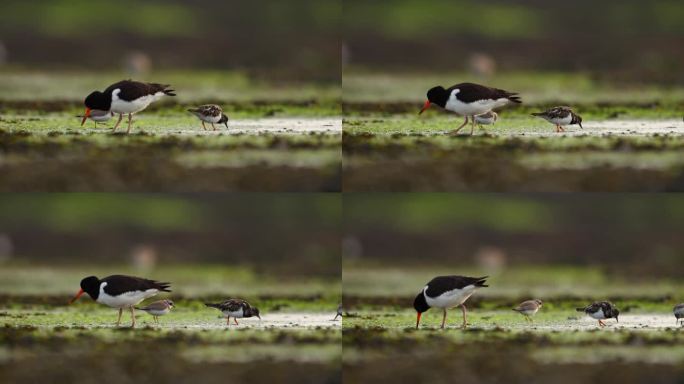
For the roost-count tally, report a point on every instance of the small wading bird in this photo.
(120, 291)
(469, 100)
(157, 308)
(486, 118)
(601, 310)
(447, 292)
(560, 117)
(528, 308)
(339, 312)
(98, 116)
(211, 114)
(125, 98)
(235, 308)
(678, 311)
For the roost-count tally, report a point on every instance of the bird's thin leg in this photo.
(444, 318)
(465, 316)
(235, 320)
(132, 317)
(130, 115)
(601, 323)
(203, 126)
(96, 125)
(228, 321)
(472, 125)
(336, 316)
(117, 122)
(156, 319)
(459, 128)
(118, 321)
(213, 126)
(561, 128)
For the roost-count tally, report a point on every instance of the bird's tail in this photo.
(164, 88)
(538, 113)
(512, 96)
(210, 305)
(163, 286)
(580, 309)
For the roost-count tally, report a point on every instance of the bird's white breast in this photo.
(529, 312)
(450, 299)
(239, 313)
(561, 121)
(158, 312)
(133, 106)
(477, 107)
(208, 119)
(124, 300)
(598, 315)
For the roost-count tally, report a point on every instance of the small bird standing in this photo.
(235, 308)
(486, 118)
(210, 113)
(678, 311)
(158, 308)
(469, 100)
(560, 116)
(601, 310)
(339, 312)
(120, 291)
(447, 292)
(125, 98)
(98, 116)
(529, 308)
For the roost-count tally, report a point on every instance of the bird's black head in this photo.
(89, 285)
(420, 305)
(254, 311)
(224, 120)
(99, 100)
(615, 314)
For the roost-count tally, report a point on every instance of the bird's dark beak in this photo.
(580, 124)
(259, 317)
(226, 124)
(616, 319)
(426, 106)
(85, 117)
(418, 319)
(80, 292)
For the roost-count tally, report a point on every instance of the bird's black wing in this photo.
(118, 284)
(441, 284)
(470, 92)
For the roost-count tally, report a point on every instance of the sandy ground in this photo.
(619, 127)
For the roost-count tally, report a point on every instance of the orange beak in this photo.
(80, 292)
(418, 319)
(426, 106)
(85, 117)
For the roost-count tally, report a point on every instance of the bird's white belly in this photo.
(598, 315)
(124, 300)
(133, 106)
(209, 119)
(562, 121)
(475, 108)
(450, 299)
(529, 312)
(158, 312)
(484, 120)
(239, 313)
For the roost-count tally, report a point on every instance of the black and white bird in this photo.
(469, 100)
(98, 116)
(601, 310)
(210, 113)
(120, 291)
(235, 308)
(125, 98)
(447, 292)
(158, 308)
(528, 308)
(486, 118)
(560, 117)
(678, 311)
(339, 312)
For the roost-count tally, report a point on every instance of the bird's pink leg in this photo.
(213, 126)
(203, 126)
(117, 122)
(118, 321)
(129, 123)
(235, 320)
(132, 318)
(228, 321)
(455, 131)
(444, 318)
(465, 316)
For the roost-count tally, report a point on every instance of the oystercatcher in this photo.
(339, 312)
(235, 308)
(120, 291)
(528, 308)
(98, 116)
(211, 113)
(486, 118)
(678, 311)
(447, 292)
(601, 310)
(469, 100)
(560, 116)
(157, 308)
(125, 97)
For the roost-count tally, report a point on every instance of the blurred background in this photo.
(619, 244)
(254, 243)
(265, 38)
(531, 44)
